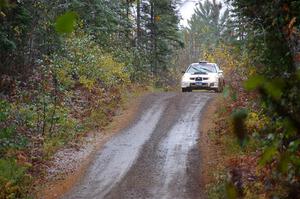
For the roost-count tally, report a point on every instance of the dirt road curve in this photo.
(155, 157)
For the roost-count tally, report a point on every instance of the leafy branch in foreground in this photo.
(275, 26)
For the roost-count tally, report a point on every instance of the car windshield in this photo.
(202, 68)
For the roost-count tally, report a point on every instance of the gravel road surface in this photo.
(156, 157)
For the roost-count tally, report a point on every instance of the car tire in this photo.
(188, 89)
(219, 89)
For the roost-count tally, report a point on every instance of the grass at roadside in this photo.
(21, 166)
(65, 171)
(228, 161)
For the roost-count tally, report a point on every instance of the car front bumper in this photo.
(199, 85)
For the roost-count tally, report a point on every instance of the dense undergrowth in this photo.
(55, 87)
(236, 174)
(249, 165)
(61, 101)
(261, 107)
(65, 69)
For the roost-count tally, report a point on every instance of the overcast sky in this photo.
(187, 10)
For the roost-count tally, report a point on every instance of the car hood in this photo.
(200, 75)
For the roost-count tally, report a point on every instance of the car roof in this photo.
(204, 62)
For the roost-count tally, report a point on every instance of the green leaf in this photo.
(238, 120)
(231, 191)
(268, 155)
(254, 82)
(66, 22)
(226, 92)
(4, 4)
(298, 74)
(283, 165)
(7, 132)
(294, 146)
(240, 113)
(10, 170)
(274, 88)
(234, 96)
(4, 110)
(289, 127)
(295, 160)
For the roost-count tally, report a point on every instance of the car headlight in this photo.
(185, 81)
(214, 78)
(185, 78)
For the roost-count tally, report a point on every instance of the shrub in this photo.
(13, 179)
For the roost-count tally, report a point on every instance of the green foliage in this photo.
(273, 88)
(66, 22)
(208, 24)
(238, 122)
(256, 121)
(254, 82)
(231, 192)
(206, 31)
(4, 110)
(270, 32)
(13, 179)
(9, 139)
(86, 63)
(4, 4)
(218, 188)
(53, 88)
(268, 155)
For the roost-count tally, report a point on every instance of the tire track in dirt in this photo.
(152, 157)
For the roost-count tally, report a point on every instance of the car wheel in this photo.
(219, 89)
(188, 89)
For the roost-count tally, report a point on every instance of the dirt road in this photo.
(155, 157)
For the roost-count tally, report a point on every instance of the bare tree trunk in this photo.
(127, 16)
(297, 50)
(153, 37)
(138, 22)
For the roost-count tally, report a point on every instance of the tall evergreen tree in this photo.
(207, 26)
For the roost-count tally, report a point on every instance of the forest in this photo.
(66, 68)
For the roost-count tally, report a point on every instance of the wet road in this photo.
(156, 157)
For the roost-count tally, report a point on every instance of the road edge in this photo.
(57, 188)
(205, 145)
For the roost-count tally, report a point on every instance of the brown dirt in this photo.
(66, 179)
(69, 164)
(209, 152)
(163, 160)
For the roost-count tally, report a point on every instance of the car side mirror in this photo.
(220, 71)
(183, 72)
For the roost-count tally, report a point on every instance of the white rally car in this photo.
(203, 75)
